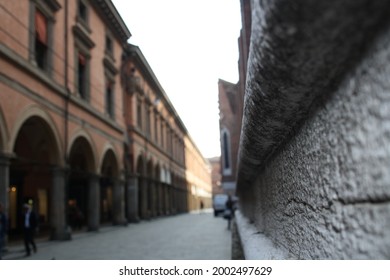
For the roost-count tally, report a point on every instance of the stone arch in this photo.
(3, 132)
(157, 172)
(82, 182)
(30, 115)
(84, 138)
(173, 194)
(150, 187)
(158, 188)
(168, 175)
(142, 187)
(110, 151)
(140, 166)
(149, 169)
(109, 173)
(162, 175)
(36, 146)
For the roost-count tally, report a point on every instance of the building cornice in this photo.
(111, 16)
(135, 53)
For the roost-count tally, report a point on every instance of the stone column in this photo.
(174, 199)
(143, 188)
(118, 203)
(4, 185)
(152, 198)
(132, 199)
(93, 203)
(168, 201)
(4, 182)
(163, 202)
(158, 199)
(59, 228)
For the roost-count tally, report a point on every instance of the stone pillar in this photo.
(4, 182)
(4, 185)
(118, 203)
(143, 188)
(168, 198)
(149, 199)
(163, 203)
(93, 203)
(59, 228)
(173, 198)
(158, 199)
(132, 199)
(152, 198)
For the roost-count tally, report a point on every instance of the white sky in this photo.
(189, 45)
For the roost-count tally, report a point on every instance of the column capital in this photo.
(94, 176)
(118, 181)
(5, 159)
(59, 169)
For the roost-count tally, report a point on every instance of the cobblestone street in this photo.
(186, 236)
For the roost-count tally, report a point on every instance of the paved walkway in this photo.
(183, 237)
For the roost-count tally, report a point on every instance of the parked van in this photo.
(219, 202)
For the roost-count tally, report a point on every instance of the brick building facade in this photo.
(231, 103)
(62, 122)
(216, 177)
(164, 165)
(70, 140)
(230, 126)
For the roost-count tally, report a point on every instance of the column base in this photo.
(65, 234)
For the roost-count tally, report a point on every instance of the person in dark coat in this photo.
(29, 226)
(229, 209)
(201, 206)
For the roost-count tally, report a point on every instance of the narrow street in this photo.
(196, 236)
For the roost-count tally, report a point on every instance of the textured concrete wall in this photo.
(320, 189)
(326, 194)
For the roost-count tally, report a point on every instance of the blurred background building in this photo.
(231, 103)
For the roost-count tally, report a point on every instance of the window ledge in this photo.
(81, 33)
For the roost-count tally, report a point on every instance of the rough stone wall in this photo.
(326, 194)
(315, 146)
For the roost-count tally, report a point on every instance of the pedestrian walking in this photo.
(201, 206)
(228, 213)
(3, 229)
(30, 225)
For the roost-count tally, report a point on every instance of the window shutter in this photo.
(82, 59)
(41, 27)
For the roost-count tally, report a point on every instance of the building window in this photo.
(162, 133)
(110, 98)
(155, 127)
(174, 147)
(170, 141)
(109, 45)
(226, 151)
(82, 75)
(82, 11)
(41, 22)
(139, 113)
(147, 113)
(226, 160)
(41, 40)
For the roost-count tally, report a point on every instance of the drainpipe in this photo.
(66, 125)
(66, 115)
